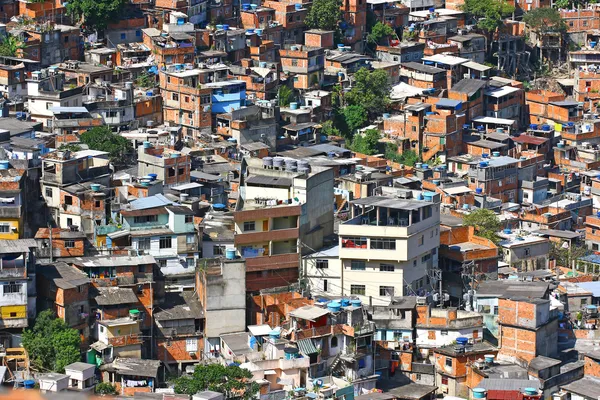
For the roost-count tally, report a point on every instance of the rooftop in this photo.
(391, 202)
(63, 275)
(185, 305)
(509, 289)
(108, 296)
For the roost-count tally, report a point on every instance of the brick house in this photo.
(305, 64)
(57, 243)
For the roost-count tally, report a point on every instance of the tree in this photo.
(285, 95)
(51, 344)
(354, 117)
(490, 15)
(542, 20)
(328, 129)
(366, 143)
(105, 388)
(96, 14)
(10, 46)
(370, 90)
(485, 222)
(565, 254)
(324, 14)
(231, 380)
(407, 157)
(379, 31)
(101, 138)
(146, 80)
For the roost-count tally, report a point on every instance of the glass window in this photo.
(386, 290)
(165, 242)
(191, 345)
(386, 268)
(354, 242)
(321, 264)
(142, 219)
(189, 219)
(12, 288)
(449, 362)
(249, 226)
(190, 239)
(383, 244)
(218, 250)
(48, 192)
(69, 244)
(358, 265)
(144, 243)
(4, 228)
(358, 289)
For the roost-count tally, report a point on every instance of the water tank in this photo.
(298, 6)
(245, 6)
(570, 124)
(277, 162)
(420, 196)
(4, 164)
(341, 46)
(263, 64)
(533, 127)
(259, 32)
(345, 302)
(593, 44)
(254, 6)
(293, 106)
(436, 182)
(183, 197)
(230, 254)
(484, 155)
(147, 144)
(95, 187)
(29, 384)
(560, 145)
(274, 334)
(496, 153)
(462, 340)
(153, 176)
(145, 183)
(250, 31)
(149, 124)
(291, 161)
(483, 164)
(290, 352)
(219, 26)
(500, 130)
(304, 170)
(522, 158)
(334, 306)
(466, 127)
(356, 303)
(428, 196)
(425, 166)
(489, 358)
(225, 27)
(386, 115)
(478, 190)
(479, 393)
(507, 231)
(465, 207)
(480, 128)
(294, 48)
(268, 162)
(418, 165)
(175, 155)
(303, 164)
(598, 214)
(546, 128)
(128, 85)
(291, 168)
(530, 391)
(431, 10)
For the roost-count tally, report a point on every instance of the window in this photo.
(322, 264)
(325, 285)
(69, 221)
(445, 380)
(66, 39)
(218, 250)
(97, 204)
(495, 310)
(175, 96)
(190, 261)
(583, 302)
(383, 244)
(4, 228)
(189, 219)
(191, 345)
(49, 106)
(444, 333)
(190, 239)
(354, 242)
(138, 33)
(425, 258)
(12, 288)
(449, 362)
(171, 172)
(69, 200)
(358, 289)
(48, 192)
(162, 263)
(414, 263)
(165, 242)
(249, 226)
(358, 265)
(69, 244)
(386, 291)
(527, 251)
(386, 268)
(123, 36)
(142, 219)
(421, 240)
(141, 269)
(144, 243)
(334, 341)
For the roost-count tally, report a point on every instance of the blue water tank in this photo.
(479, 393)
(496, 153)
(259, 32)
(28, 383)
(356, 303)
(465, 207)
(428, 196)
(489, 358)
(483, 164)
(478, 190)
(418, 165)
(225, 27)
(530, 391)
(570, 124)
(245, 6)
(386, 115)
(484, 155)
(4, 164)
(275, 333)
(420, 196)
(436, 182)
(230, 254)
(334, 306)
(153, 176)
(298, 6)
(293, 106)
(507, 231)
(546, 128)
(425, 166)
(462, 340)
(466, 126)
(533, 127)
(345, 302)
(147, 144)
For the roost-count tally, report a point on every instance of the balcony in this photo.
(266, 236)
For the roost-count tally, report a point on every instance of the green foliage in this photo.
(367, 143)
(408, 158)
(565, 256)
(146, 80)
(232, 381)
(324, 14)
(370, 91)
(10, 46)
(105, 388)
(51, 344)
(328, 129)
(485, 222)
(285, 96)
(379, 31)
(70, 147)
(96, 14)
(490, 13)
(354, 117)
(544, 20)
(101, 138)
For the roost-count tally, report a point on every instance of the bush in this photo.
(105, 388)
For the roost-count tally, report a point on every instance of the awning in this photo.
(306, 347)
(453, 191)
(270, 372)
(99, 346)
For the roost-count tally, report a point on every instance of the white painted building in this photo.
(46, 90)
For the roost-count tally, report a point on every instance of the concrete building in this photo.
(526, 253)
(436, 327)
(388, 246)
(281, 212)
(171, 167)
(46, 90)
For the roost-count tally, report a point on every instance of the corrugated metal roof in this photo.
(307, 347)
(150, 202)
(268, 180)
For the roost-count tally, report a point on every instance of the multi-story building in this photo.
(74, 187)
(18, 282)
(172, 48)
(49, 43)
(113, 103)
(389, 246)
(436, 327)
(306, 64)
(171, 167)
(46, 90)
(495, 176)
(249, 125)
(281, 212)
(13, 202)
(524, 252)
